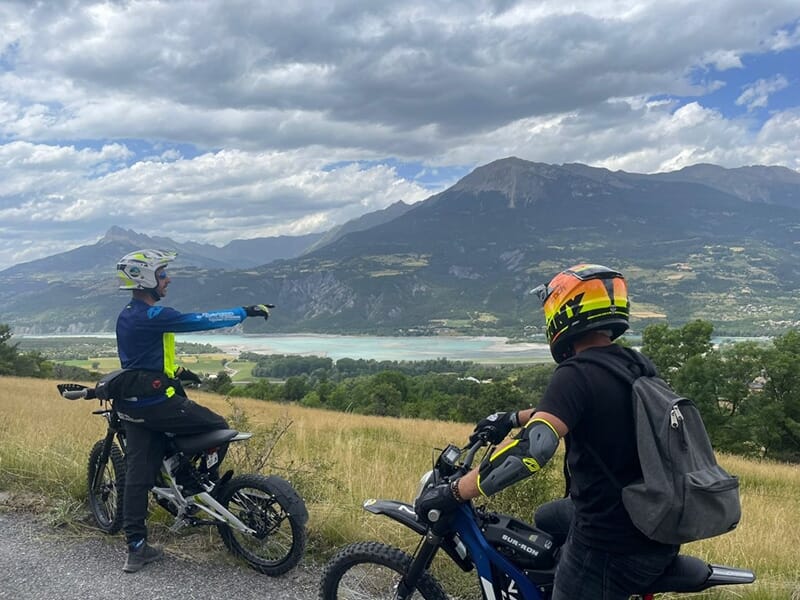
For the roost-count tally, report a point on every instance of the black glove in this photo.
(495, 427)
(439, 497)
(258, 310)
(187, 375)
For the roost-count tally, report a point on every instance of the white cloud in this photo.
(225, 117)
(756, 95)
(214, 198)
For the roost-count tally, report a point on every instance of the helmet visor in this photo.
(542, 292)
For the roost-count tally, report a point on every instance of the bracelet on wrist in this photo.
(455, 492)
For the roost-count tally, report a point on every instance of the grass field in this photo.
(337, 460)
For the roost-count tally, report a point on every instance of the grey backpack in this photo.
(684, 495)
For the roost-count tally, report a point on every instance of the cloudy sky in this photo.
(222, 119)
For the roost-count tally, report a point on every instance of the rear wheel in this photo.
(106, 481)
(370, 570)
(273, 509)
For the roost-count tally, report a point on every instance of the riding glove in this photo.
(439, 497)
(185, 374)
(495, 427)
(258, 310)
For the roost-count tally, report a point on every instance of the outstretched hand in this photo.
(258, 310)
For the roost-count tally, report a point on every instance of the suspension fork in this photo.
(104, 454)
(422, 560)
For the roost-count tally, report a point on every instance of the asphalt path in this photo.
(42, 562)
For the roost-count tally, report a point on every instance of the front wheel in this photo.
(106, 481)
(271, 507)
(372, 570)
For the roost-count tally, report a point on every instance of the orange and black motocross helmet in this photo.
(580, 299)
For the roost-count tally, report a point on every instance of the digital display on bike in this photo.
(451, 454)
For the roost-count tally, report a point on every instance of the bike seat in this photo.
(203, 441)
(684, 574)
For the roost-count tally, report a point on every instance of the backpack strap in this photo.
(628, 371)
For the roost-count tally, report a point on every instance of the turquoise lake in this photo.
(488, 349)
(478, 349)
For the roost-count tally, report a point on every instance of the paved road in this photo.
(40, 562)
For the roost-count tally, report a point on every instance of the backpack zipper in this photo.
(676, 422)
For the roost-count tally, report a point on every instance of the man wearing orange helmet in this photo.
(605, 556)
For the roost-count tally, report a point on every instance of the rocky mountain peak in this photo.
(521, 181)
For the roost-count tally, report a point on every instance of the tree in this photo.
(294, 389)
(222, 383)
(669, 348)
(777, 420)
(21, 364)
(719, 384)
(8, 352)
(385, 400)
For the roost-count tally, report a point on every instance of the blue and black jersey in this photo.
(146, 334)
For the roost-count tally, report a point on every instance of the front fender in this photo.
(404, 513)
(399, 511)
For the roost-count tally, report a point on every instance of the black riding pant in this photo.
(585, 572)
(145, 429)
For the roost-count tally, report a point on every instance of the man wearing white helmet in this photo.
(155, 401)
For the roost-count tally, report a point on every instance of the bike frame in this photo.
(489, 563)
(203, 500)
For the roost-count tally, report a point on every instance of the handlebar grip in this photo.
(75, 391)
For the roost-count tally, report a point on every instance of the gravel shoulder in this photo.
(41, 562)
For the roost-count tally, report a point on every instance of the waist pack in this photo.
(132, 383)
(684, 495)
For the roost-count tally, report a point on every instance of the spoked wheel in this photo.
(106, 484)
(271, 507)
(372, 571)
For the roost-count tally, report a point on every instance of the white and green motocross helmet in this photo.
(137, 270)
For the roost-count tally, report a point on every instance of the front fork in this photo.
(108, 441)
(422, 560)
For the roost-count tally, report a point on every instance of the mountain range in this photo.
(703, 242)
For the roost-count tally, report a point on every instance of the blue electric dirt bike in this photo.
(513, 560)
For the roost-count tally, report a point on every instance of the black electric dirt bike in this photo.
(513, 560)
(260, 518)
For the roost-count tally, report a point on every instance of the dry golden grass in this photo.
(337, 460)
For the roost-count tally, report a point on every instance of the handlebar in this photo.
(75, 391)
(472, 451)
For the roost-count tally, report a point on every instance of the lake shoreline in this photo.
(478, 349)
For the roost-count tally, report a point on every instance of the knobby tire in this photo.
(359, 572)
(105, 499)
(272, 507)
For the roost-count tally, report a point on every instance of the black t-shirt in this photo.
(596, 407)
